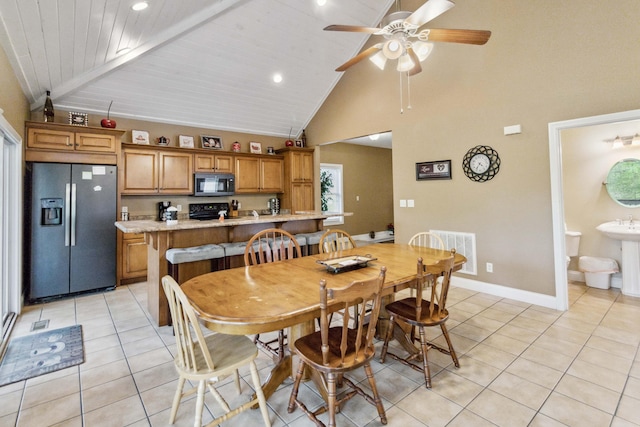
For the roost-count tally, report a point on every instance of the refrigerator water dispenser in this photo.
(51, 211)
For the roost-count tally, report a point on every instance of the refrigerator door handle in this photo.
(73, 214)
(67, 214)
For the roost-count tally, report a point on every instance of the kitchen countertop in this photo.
(142, 226)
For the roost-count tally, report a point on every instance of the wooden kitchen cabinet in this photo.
(134, 256)
(55, 142)
(299, 179)
(259, 174)
(153, 171)
(213, 163)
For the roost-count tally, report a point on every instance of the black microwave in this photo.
(214, 184)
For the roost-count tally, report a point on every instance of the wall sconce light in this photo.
(621, 141)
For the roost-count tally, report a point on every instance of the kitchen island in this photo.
(160, 236)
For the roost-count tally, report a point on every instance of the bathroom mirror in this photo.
(623, 183)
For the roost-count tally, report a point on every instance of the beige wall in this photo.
(546, 62)
(12, 101)
(586, 160)
(367, 174)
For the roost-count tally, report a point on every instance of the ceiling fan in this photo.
(401, 28)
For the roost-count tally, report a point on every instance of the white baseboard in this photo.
(548, 301)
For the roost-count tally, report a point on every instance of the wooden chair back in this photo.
(191, 345)
(335, 240)
(427, 240)
(438, 277)
(343, 347)
(270, 245)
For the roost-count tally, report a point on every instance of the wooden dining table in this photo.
(285, 294)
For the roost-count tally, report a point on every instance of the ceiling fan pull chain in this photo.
(408, 92)
(401, 109)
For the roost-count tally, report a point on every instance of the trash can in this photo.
(598, 271)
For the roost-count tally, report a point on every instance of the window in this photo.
(331, 197)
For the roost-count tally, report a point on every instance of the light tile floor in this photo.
(520, 365)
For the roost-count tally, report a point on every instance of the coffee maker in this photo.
(162, 210)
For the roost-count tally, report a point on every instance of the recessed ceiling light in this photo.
(141, 5)
(277, 77)
(321, 2)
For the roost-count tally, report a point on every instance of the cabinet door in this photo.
(140, 172)
(224, 163)
(272, 176)
(175, 173)
(301, 167)
(50, 139)
(134, 256)
(301, 197)
(95, 142)
(204, 163)
(247, 175)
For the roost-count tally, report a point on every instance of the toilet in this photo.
(572, 243)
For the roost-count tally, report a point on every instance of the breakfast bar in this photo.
(161, 236)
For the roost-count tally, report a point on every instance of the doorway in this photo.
(557, 196)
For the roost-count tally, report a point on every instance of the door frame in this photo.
(557, 196)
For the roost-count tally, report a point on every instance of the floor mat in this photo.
(37, 354)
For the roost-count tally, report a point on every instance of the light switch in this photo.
(410, 203)
(403, 203)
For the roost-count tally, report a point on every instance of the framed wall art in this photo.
(186, 141)
(140, 137)
(255, 147)
(214, 142)
(440, 169)
(78, 119)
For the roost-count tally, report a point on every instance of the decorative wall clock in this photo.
(481, 163)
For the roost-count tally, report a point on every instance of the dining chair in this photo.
(335, 240)
(206, 360)
(271, 245)
(427, 239)
(333, 351)
(422, 313)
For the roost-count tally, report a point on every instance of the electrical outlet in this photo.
(179, 207)
(489, 267)
(125, 209)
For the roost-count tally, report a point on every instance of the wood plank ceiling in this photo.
(204, 63)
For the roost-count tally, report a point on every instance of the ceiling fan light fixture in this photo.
(405, 63)
(379, 60)
(422, 49)
(392, 49)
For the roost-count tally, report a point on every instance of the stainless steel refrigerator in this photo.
(71, 239)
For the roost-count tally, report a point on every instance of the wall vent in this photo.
(465, 244)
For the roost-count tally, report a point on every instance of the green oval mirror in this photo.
(623, 183)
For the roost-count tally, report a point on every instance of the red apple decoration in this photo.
(288, 143)
(108, 123)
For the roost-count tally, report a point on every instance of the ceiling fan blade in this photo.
(362, 55)
(416, 61)
(478, 37)
(352, 28)
(428, 11)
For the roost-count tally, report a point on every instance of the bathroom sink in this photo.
(620, 230)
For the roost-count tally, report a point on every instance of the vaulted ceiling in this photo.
(202, 63)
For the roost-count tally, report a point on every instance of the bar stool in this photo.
(232, 250)
(177, 256)
(311, 240)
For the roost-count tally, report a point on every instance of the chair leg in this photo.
(262, 402)
(176, 400)
(376, 396)
(452, 352)
(331, 398)
(200, 403)
(294, 391)
(385, 346)
(425, 361)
